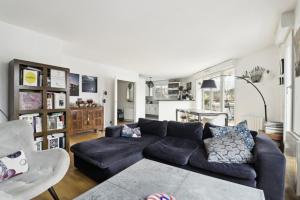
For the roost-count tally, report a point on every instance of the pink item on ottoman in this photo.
(160, 196)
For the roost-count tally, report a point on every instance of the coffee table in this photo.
(147, 177)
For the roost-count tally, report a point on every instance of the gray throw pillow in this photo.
(228, 149)
(131, 132)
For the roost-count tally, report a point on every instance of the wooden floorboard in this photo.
(76, 183)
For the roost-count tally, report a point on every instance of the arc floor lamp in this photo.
(210, 84)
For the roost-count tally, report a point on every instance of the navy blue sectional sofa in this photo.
(180, 145)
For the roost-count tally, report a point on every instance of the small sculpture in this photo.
(256, 74)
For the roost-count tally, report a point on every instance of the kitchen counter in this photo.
(167, 108)
(174, 100)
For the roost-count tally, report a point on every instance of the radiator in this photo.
(292, 154)
(254, 123)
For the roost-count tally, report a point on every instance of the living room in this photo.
(138, 99)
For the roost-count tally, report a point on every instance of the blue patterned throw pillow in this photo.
(228, 149)
(131, 132)
(241, 129)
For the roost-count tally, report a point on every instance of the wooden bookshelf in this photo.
(15, 87)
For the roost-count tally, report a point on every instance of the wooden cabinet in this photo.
(86, 119)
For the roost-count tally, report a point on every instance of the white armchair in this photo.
(46, 168)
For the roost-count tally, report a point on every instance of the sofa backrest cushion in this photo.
(192, 130)
(153, 127)
(207, 132)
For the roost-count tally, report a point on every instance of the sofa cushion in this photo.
(172, 149)
(131, 132)
(153, 127)
(199, 160)
(207, 132)
(104, 152)
(228, 149)
(185, 130)
(241, 130)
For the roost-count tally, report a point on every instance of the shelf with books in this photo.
(56, 100)
(39, 134)
(50, 89)
(56, 131)
(56, 140)
(29, 84)
(35, 120)
(56, 110)
(22, 112)
(34, 88)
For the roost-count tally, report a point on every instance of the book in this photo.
(49, 100)
(30, 77)
(57, 78)
(56, 121)
(34, 120)
(56, 140)
(37, 124)
(59, 100)
(30, 100)
(38, 143)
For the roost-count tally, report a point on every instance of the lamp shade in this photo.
(208, 84)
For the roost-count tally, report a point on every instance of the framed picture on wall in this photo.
(297, 53)
(89, 84)
(74, 84)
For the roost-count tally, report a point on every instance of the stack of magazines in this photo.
(274, 128)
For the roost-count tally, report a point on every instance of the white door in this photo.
(288, 76)
(116, 102)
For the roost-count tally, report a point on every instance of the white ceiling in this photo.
(165, 38)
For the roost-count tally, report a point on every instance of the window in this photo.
(222, 98)
(160, 89)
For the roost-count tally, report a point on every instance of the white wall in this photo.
(248, 101)
(24, 44)
(20, 43)
(297, 79)
(141, 97)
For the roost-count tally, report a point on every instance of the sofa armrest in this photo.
(115, 131)
(270, 167)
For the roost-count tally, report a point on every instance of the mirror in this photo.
(130, 92)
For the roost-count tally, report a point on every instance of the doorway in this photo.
(125, 102)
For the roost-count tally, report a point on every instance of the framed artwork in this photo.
(297, 53)
(89, 84)
(74, 84)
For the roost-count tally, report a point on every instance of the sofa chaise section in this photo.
(104, 157)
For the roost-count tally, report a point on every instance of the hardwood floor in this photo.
(76, 183)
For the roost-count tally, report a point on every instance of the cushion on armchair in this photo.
(191, 131)
(13, 165)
